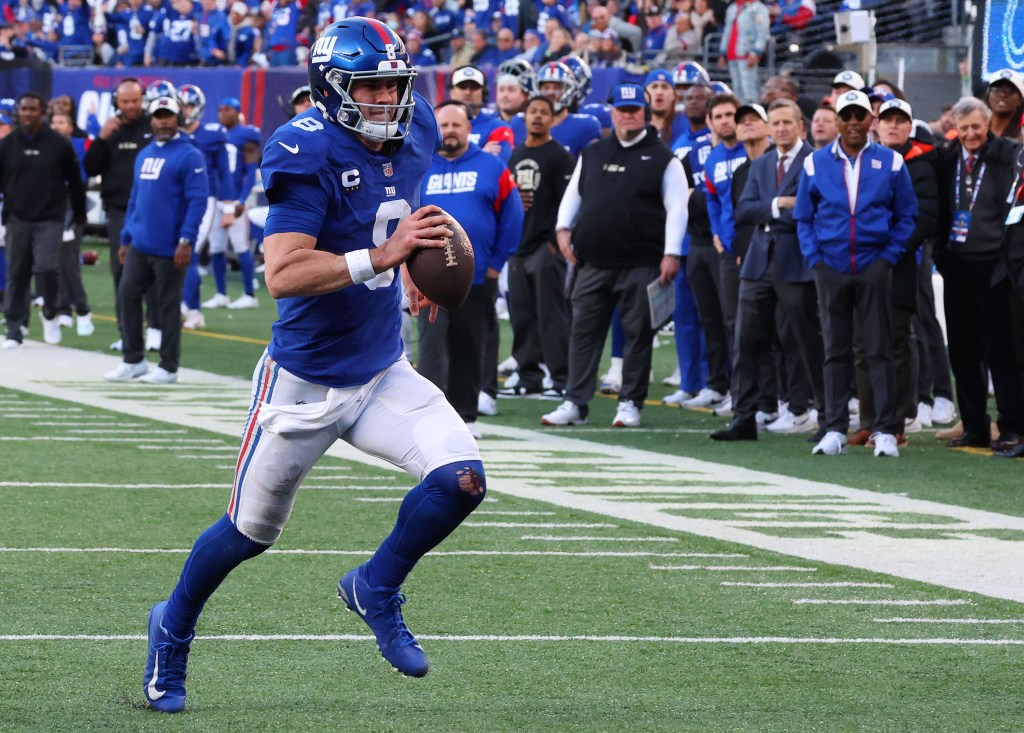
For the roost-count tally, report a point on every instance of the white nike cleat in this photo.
(833, 444)
(673, 380)
(64, 320)
(943, 411)
(706, 398)
(627, 415)
(153, 338)
(51, 330)
(677, 398)
(10, 344)
(194, 320)
(244, 302)
(159, 375)
(885, 445)
(486, 405)
(84, 325)
(566, 413)
(220, 300)
(126, 372)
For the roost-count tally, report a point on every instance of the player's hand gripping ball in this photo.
(444, 275)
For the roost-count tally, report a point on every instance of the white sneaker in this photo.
(626, 415)
(855, 421)
(194, 320)
(611, 382)
(789, 423)
(51, 331)
(833, 444)
(885, 445)
(501, 308)
(508, 366)
(764, 419)
(912, 426)
(126, 372)
(64, 320)
(10, 344)
(674, 380)
(512, 380)
(924, 414)
(220, 300)
(723, 408)
(546, 381)
(184, 309)
(243, 302)
(943, 411)
(153, 338)
(705, 398)
(566, 413)
(854, 406)
(677, 398)
(38, 301)
(117, 345)
(84, 325)
(474, 430)
(159, 375)
(486, 405)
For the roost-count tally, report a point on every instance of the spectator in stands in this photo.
(618, 256)
(552, 10)
(419, 54)
(1005, 97)
(132, 28)
(630, 37)
(682, 40)
(785, 87)
(744, 39)
(10, 46)
(702, 18)
(975, 174)
(459, 52)
(505, 45)
(611, 55)
(173, 36)
(214, 34)
(74, 24)
(791, 15)
(444, 22)
(559, 45)
(531, 46)
(655, 32)
(282, 29)
(244, 41)
(852, 250)
(824, 129)
(485, 55)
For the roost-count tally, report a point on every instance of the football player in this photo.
(343, 184)
(575, 131)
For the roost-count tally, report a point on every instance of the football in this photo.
(444, 275)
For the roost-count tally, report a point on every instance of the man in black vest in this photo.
(621, 223)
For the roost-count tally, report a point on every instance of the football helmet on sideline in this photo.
(557, 72)
(191, 95)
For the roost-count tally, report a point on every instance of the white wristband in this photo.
(360, 268)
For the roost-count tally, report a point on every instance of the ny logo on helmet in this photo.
(323, 49)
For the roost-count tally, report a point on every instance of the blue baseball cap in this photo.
(232, 102)
(628, 95)
(658, 75)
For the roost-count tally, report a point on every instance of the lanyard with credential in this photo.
(973, 191)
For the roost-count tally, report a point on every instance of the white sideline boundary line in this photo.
(362, 553)
(873, 602)
(1007, 621)
(738, 568)
(581, 538)
(540, 525)
(538, 638)
(837, 584)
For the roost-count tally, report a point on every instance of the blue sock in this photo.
(428, 514)
(219, 264)
(3, 268)
(190, 290)
(618, 334)
(248, 270)
(217, 551)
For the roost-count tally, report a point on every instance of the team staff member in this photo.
(334, 368)
(489, 131)
(112, 157)
(39, 172)
(976, 173)
(536, 273)
(167, 204)
(477, 189)
(621, 222)
(855, 208)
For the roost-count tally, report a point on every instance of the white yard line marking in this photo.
(95, 485)
(997, 621)
(194, 448)
(510, 513)
(364, 553)
(119, 431)
(968, 561)
(85, 424)
(541, 525)
(838, 584)
(739, 568)
(561, 538)
(537, 638)
(84, 439)
(27, 410)
(875, 602)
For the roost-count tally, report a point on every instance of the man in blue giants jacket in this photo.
(856, 209)
(167, 203)
(479, 192)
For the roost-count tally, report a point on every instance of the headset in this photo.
(647, 104)
(127, 80)
(485, 86)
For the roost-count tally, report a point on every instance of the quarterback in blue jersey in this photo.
(343, 184)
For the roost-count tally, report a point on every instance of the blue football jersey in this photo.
(321, 181)
(212, 141)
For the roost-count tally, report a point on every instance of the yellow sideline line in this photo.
(205, 334)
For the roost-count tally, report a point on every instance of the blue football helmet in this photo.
(523, 72)
(158, 89)
(357, 49)
(690, 73)
(190, 94)
(557, 72)
(720, 87)
(582, 75)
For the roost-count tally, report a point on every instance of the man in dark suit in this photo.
(774, 273)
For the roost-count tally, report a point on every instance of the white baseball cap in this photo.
(468, 73)
(239, 7)
(853, 99)
(849, 78)
(1008, 75)
(757, 109)
(168, 103)
(896, 104)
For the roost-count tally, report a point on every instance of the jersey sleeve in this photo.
(297, 189)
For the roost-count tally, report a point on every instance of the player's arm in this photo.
(294, 267)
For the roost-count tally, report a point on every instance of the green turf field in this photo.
(613, 580)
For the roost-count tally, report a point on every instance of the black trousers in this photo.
(704, 273)
(869, 294)
(539, 314)
(451, 347)
(933, 374)
(755, 325)
(144, 273)
(980, 331)
(115, 223)
(905, 361)
(71, 293)
(32, 247)
(729, 295)
(595, 296)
